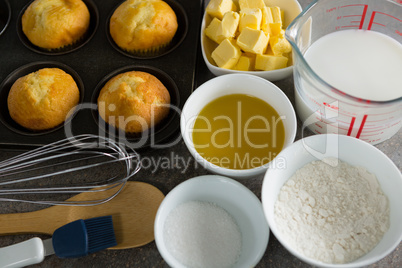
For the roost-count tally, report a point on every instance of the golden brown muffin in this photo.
(42, 100)
(53, 24)
(133, 101)
(143, 26)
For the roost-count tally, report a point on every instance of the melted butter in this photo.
(238, 132)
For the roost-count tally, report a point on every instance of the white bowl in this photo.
(292, 9)
(354, 152)
(232, 196)
(235, 84)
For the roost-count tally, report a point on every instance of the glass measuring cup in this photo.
(324, 108)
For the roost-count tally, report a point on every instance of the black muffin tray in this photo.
(91, 62)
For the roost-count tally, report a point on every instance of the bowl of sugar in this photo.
(235, 124)
(211, 221)
(334, 201)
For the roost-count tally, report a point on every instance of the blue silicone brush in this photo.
(82, 237)
(75, 239)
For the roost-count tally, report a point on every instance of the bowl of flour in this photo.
(334, 201)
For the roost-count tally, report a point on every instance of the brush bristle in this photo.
(100, 233)
(82, 237)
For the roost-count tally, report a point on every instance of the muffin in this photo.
(133, 101)
(55, 24)
(143, 26)
(42, 100)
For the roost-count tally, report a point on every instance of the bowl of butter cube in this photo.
(248, 36)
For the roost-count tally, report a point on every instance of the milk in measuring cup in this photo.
(363, 64)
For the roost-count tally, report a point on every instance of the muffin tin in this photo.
(91, 62)
(5, 15)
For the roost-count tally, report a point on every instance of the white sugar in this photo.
(202, 234)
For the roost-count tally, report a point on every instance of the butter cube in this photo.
(276, 14)
(290, 58)
(250, 17)
(270, 62)
(266, 20)
(226, 54)
(254, 41)
(271, 20)
(251, 56)
(217, 8)
(230, 22)
(213, 30)
(281, 33)
(251, 4)
(275, 28)
(279, 45)
(220, 30)
(246, 62)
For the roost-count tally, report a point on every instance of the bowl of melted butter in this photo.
(236, 124)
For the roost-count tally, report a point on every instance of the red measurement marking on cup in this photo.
(372, 131)
(375, 128)
(363, 100)
(351, 125)
(390, 112)
(373, 15)
(318, 125)
(362, 16)
(382, 120)
(343, 122)
(361, 126)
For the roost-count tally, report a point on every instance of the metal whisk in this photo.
(68, 166)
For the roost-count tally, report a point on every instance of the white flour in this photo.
(332, 213)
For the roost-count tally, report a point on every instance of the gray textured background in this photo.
(167, 178)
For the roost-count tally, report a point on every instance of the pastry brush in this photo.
(75, 239)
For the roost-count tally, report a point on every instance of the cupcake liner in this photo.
(150, 52)
(67, 47)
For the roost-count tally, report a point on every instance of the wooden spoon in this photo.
(133, 211)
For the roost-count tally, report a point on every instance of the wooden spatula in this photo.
(133, 211)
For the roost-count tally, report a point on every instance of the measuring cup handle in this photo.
(331, 144)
